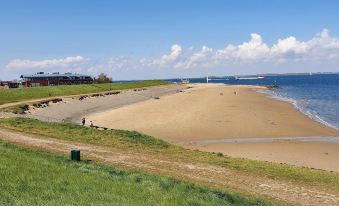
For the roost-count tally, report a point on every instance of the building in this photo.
(4, 84)
(10, 84)
(42, 79)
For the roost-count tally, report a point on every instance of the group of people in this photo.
(83, 122)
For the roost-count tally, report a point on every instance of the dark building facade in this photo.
(10, 84)
(42, 79)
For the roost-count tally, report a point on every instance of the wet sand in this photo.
(214, 112)
(319, 155)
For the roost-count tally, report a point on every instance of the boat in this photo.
(249, 78)
(185, 81)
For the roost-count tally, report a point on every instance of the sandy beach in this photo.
(216, 111)
(213, 112)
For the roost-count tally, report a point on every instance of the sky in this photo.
(148, 39)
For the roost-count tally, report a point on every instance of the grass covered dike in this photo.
(134, 141)
(32, 177)
(22, 94)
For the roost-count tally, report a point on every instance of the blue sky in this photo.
(162, 39)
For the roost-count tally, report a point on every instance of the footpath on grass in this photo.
(208, 174)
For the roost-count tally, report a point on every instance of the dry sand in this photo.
(212, 112)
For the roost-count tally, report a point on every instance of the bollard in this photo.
(75, 154)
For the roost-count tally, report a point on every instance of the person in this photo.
(83, 121)
(91, 124)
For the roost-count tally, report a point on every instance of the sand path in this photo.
(201, 173)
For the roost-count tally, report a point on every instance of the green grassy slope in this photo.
(134, 141)
(31, 177)
(21, 94)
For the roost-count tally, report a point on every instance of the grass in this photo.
(134, 141)
(16, 109)
(32, 177)
(22, 94)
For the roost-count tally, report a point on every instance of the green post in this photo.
(75, 154)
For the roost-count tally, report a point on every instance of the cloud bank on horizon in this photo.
(248, 57)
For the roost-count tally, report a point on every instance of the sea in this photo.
(316, 95)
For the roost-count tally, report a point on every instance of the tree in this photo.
(102, 78)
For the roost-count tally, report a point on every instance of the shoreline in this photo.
(297, 107)
(206, 113)
(213, 111)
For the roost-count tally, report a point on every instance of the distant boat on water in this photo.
(249, 78)
(185, 81)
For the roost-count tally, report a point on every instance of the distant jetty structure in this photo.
(214, 78)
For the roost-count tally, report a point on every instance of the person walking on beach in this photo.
(83, 121)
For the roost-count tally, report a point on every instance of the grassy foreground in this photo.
(31, 177)
(134, 141)
(21, 94)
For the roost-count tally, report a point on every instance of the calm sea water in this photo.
(315, 95)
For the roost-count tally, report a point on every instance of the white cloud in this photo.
(197, 59)
(321, 47)
(24, 64)
(117, 63)
(289, 45)
(166, 59)
(253, 49)
(228, 53)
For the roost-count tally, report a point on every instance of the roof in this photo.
(41, 74)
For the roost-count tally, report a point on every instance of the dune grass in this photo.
(31, 177)
(134, 141)
(22, 94)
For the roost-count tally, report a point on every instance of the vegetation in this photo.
(31, 177)
(21, 94)
(134, 141)
(102, 78)
(16, 109)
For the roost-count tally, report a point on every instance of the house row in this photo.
(47, 79)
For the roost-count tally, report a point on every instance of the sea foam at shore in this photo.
(316, 96)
